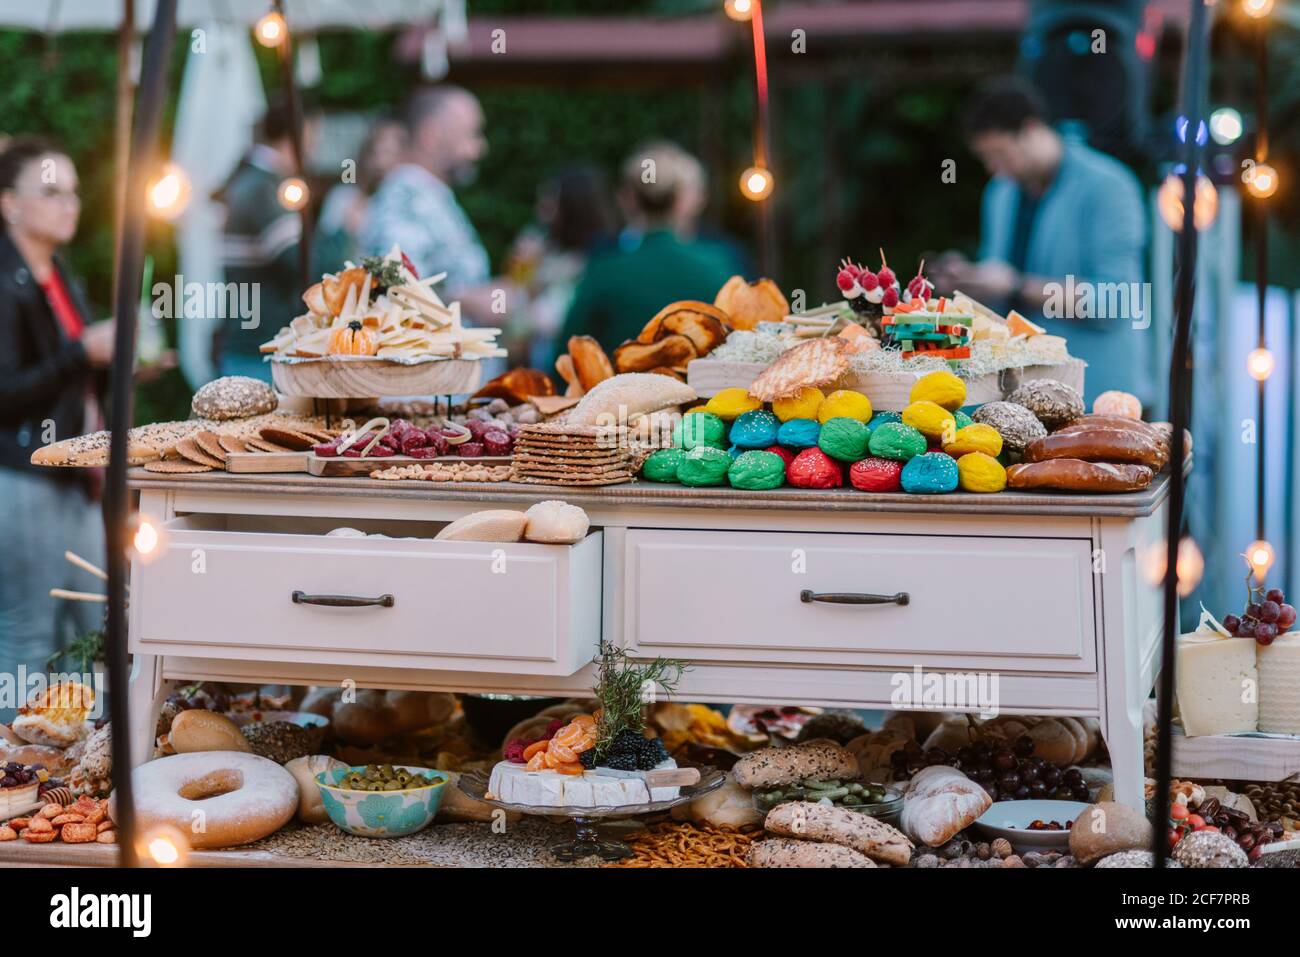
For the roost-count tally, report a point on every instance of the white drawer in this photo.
(218, 589)
(1015, 604)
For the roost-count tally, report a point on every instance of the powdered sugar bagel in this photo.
(214, 798)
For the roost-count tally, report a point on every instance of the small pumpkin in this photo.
(353, 340)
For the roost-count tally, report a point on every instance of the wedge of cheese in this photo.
(1020, 326)
(1279, 685)
(1217, 684)
(512, 784)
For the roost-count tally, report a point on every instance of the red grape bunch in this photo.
(1267, 615)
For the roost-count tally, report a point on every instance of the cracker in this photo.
(210, 443)
(262, 445)
(232, 443)
(173, 467)
(189, 449)
(289, 438)
(78, 833)
(608, 480)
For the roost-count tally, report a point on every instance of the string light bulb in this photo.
(168, 194)
(1190, 565)
(740, 10)
(271, 30)
(756, 183)
(1226, 126)
(1260, 364)
(1259, 556)
(1260, 180)
(293, 194)
(148, 540)
(1256, 8)
(1169, 199)
(163, 846)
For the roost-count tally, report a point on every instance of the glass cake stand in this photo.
(587, 820)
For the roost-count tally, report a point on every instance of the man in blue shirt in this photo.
(1062, 237)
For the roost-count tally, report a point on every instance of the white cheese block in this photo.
(1279, 685)
(1218, 684)
(512, 784)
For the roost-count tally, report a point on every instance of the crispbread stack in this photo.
(558, 454)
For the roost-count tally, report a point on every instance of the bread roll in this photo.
(839, 825)
(555, 523)
(489, 525)
(1053, 742)
(952, 735)
(311, 810)
(378, 715)
(783, 852)
(1080, 738)
(771, 767)
(624, 397)
(1076, 475)
(940, 803)
(727, 806)
(199, 730)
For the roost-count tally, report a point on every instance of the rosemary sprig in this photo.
(624, 687)
(387, 273)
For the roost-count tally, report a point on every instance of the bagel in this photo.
(215, 798)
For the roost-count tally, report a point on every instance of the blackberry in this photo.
(644, 753)
(621, 762)
(588, 758)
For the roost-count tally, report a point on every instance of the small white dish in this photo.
(1011, 819)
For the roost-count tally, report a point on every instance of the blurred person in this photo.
(1053, 209)
(657, 259)
(573, 217)
(416, 208)
(260, 245)
(53, 360)
(338, 231)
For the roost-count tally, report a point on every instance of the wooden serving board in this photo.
(264, 462)
(352, 467)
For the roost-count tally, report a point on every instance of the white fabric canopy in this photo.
(56, 16)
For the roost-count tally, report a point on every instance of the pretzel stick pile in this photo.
(682, 844)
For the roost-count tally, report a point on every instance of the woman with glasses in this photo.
(52, 360)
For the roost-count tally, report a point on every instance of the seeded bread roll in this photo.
(773, 767)
(839, 825)
(783, 852)
(233, 397)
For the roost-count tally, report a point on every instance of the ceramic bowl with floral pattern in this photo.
(381, 813)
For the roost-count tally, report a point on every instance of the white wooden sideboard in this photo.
(761, 592)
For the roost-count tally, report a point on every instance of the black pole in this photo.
(1180, 387)
(1261, 263)
(292, 94)
(144, 134)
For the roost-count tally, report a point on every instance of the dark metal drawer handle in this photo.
(807, 596)
(341, 601)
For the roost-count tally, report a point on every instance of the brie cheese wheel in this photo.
(1279, 685)
(512, 784)
(1217, 684)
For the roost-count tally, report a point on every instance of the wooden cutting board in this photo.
(267, 461)
(352, 467)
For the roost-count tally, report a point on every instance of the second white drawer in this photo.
(983, 602)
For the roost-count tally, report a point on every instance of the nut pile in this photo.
(998, 853)
(1278, 802)
(445, 472)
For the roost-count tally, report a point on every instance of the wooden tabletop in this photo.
(656, 495)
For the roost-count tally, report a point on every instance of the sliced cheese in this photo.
(1018, 325)
(512, 784)
(1279, 685)
(1217, 684)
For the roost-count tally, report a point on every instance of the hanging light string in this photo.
(1264, 181)
(1180, 392)
(760, 81)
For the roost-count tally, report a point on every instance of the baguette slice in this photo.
(773, 767)
(838, 825)
(783, 852)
